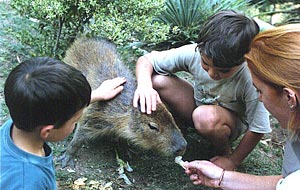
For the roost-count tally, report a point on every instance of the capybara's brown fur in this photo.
(98, 60)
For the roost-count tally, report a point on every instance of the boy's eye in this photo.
(202, 61)
(225, 71)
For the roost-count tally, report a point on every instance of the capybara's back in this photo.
(98, 60)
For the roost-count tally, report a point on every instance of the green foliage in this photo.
(280, 13)
(126, 21)
(10, 49)
(58, 22)
(186, 16)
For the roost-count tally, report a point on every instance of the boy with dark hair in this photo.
(45, 98)
(222, 103)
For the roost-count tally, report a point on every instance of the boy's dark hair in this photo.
(45, 91)
(225, 38)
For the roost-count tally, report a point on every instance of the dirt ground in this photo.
(98, 163)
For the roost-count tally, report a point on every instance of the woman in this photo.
(274, 62)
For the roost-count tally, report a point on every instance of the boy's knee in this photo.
(159, 81)
(205, 119)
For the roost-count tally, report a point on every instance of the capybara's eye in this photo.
(153, 126)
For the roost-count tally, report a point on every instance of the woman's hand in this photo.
(204, 172)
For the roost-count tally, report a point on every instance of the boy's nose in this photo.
(213, 74)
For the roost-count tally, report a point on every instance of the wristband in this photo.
(221, 177)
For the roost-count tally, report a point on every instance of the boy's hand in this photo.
(108, 89)
(148, 99)
(224, 162)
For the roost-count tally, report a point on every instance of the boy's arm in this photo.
(108, 89)
(145, 94)
(162, 63)
(258, 118)
(246, 145)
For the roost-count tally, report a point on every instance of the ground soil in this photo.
(97, 162)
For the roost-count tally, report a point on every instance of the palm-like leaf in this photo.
(181, 13)
(188, 15)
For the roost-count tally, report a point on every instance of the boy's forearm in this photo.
(93, 98)
(246, 145)
(144, 70)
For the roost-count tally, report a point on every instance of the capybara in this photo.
(98, 60)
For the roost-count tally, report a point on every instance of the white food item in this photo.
(178, 160)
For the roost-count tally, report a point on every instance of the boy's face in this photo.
(65, 130)
(216, 73)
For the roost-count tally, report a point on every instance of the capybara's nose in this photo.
(179, 144)
(180, 150)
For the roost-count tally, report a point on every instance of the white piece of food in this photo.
(178, 160)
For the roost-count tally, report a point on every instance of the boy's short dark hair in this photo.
(225, 38)
(45, 91)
